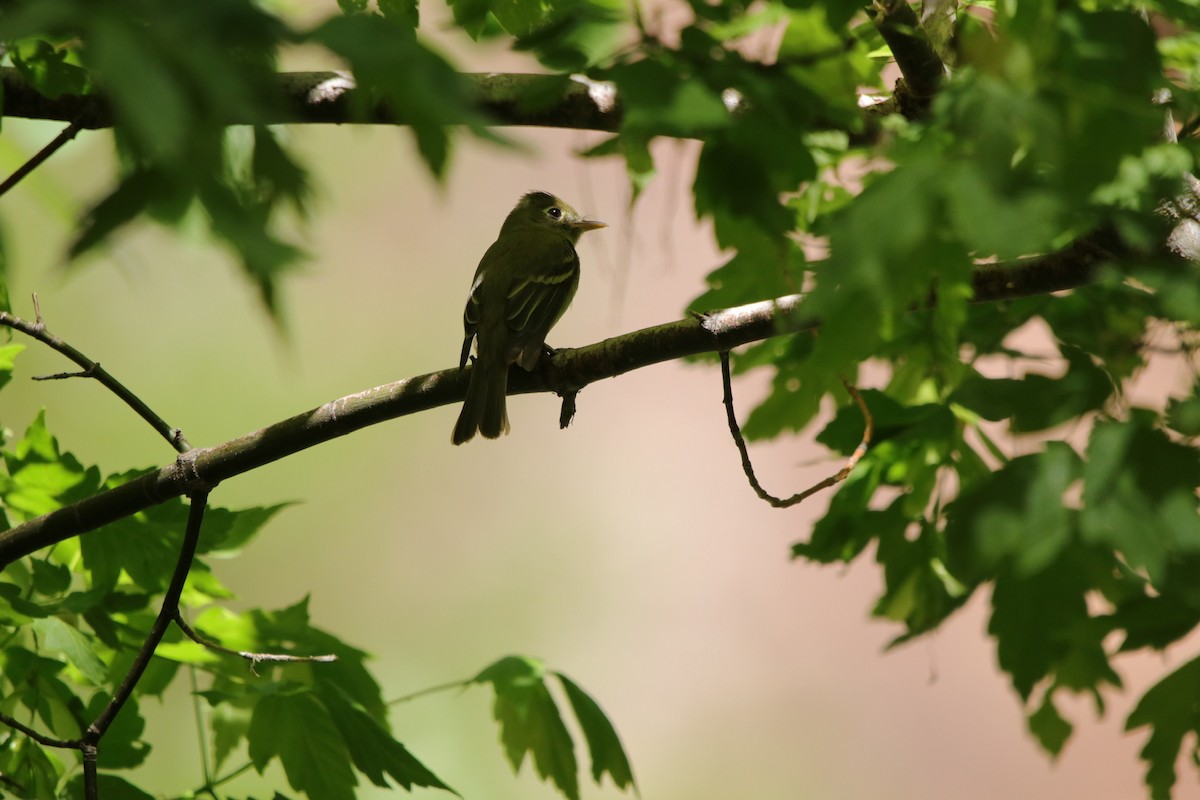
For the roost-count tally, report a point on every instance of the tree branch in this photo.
(327, 97)
(92, 369)
(919, 63)
(567, 371)
(36, 160)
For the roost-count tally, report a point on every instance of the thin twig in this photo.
(254, 658)
(41, 739)
(62, 376)
(441, 687)
(210, 787)
(736, 431)
(167, 613)
(92, 369)
(199, 717)
(29, 166)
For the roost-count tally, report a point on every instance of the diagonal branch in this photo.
(569, 370)
(92, 369)
(36, 160)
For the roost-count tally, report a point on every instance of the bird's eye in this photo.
(554, 211)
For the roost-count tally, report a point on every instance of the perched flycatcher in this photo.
(522, 286)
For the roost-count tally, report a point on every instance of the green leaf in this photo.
(848, 526)
(1183, 414)
(42, 691)
(919, 589)
(1171, 709)
(603, 743)
(227, 531)
(1015, 519)
(43, 477)
(1139, 495)
(27, 764)
(567, 36)
(1051, 730)
(132, 196)
(374, 752)
(764, 267)
(384, 56)
(48, 69)
(230, 722)
(472, 16)
(145, 91)
(123, 744)
(924, 423)
(1037, 402)
(56, 636)
(110, 787)
(1043, 629)
(1154, 621)
(265, 258)
(530, 723)
(50, 579)
(659, 101)
(297, 729)
(402, 11)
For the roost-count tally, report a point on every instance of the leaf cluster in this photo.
(176, 78)
(274, 688)
(1042, 137)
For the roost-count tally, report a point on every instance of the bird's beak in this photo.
(589, 225)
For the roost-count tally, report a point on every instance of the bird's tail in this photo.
(484, 410)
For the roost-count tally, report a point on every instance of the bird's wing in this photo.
(537, 299)
(471, 319)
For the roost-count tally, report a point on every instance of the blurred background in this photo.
(627, 551)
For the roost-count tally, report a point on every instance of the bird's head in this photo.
(544, 211)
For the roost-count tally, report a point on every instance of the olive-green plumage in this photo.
(522, 286)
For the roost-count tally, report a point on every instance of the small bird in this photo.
(523, 284)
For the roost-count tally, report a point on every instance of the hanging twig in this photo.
(736, 431)
(92, 369)
(254, 658)
(29, 166)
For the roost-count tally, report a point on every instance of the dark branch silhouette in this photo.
(92, 369)
(569, 370)
(35, 161)
(328, 97)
